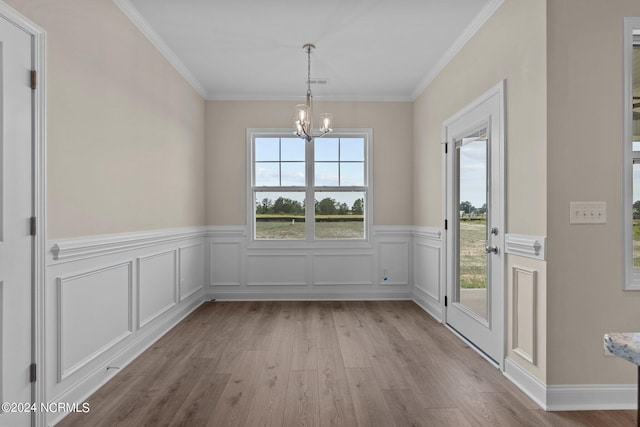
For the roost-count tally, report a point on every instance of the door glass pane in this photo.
(472, 224)
(636, 214)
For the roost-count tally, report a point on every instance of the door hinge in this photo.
(446, 147)
(34, 80)
(32, 373)
(32, 225)
(446, 302)
(446, 224)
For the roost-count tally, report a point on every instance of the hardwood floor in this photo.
(374, 363)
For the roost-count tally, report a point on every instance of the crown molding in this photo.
(293, 98)
(477, 23)
(134, 16)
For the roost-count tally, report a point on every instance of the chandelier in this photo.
(304, 112)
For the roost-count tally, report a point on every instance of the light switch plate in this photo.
(587, 212)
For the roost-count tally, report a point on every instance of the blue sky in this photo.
(338, 162)
(473, 172)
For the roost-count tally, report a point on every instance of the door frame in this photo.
(447, 259)
(39, 191)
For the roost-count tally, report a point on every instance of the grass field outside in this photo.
(291, 227)
(636, 243)
(473, 257)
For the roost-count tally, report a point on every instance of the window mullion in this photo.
(310, 193)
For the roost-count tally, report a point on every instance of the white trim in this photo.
(361, 294)
(310, 241)
(226, 231)
(39, 62)
(60, 282)
(631, 275)
(382, 231)
(430, 233)
(530, 355)
(105, 371)
(497, 122)
(136, 18)
(475, 25)
(526, 246)
(530, 385)
(432, 309)
(591, 397)
(64, 250)
(296, 99)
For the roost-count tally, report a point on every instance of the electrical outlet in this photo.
(587, 212)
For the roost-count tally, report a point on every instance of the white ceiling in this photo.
(252, 49)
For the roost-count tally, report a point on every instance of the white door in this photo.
(16, 209)
(475, 223)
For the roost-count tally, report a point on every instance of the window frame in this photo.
(309, 189)
(631, 274)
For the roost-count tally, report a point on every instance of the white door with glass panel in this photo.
(475, 223)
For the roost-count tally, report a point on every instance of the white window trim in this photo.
(310, 242)
(631, 274)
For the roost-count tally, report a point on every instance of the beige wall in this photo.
(226, 124)
(585, 297)
(125, 138)
(510, 46)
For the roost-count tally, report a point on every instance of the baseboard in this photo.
(306, 295)
(591, 397)
(530, 385)
(432, 309)
(107, 370)
(581, 397)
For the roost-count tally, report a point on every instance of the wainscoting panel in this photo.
(94, 314)
(191, 267)
(157, 287)
(289, 269)
(524, 313)
(98, 289)
(343, 269)
(393, 263)
(428, 274)
(225, 263)
(240, 269)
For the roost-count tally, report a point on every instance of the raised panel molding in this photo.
(342, 269)
(524, 308)
(94, 312)
(191, 269)
(393, 263)
(225, 263)
(157, 285)
(526, 246)
(427, 270)
(268, 269)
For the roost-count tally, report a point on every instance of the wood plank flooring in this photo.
(374, 363)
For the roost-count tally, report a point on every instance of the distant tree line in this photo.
(326, 206)
(468, 209)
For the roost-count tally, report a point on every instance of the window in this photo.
(632, 153)
(309, 191)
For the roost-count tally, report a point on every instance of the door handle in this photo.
(491, 249)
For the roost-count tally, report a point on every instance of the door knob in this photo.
(492, 249)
